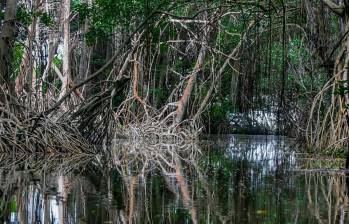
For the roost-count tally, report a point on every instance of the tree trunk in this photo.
(6, 47)
(66, 54)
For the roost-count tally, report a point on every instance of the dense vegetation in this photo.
(95, 69)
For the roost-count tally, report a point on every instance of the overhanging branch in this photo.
(338, 9)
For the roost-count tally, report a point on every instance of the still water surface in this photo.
(231, 179)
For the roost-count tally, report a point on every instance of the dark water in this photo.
(235, 179)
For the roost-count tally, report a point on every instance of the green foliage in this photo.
(220, 109)
(93, 34)
(343, 88)
(13, 204)
(2, 14)
(57, 61)
(23, 15)
(160, 94)
(18, 52)
(231, 34)
(82, 9)
(106, 15)
(297, 50)
(46, 19)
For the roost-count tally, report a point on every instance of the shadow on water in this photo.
(232, 179)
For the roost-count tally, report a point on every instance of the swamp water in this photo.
(231, 179)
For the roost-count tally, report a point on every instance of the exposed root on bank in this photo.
(152, 130)
(28, 132)
(153, 125)
(70, 125)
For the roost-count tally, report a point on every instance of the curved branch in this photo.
(338, 9)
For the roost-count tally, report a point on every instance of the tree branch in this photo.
(338, 9)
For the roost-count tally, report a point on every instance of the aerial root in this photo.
(327, 127)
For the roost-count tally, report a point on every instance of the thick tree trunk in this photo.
(66, 54)
(6, 47)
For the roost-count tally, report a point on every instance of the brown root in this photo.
(28, 132)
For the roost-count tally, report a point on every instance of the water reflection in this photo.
(327, 198)
(35, 189)
(235, 179)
